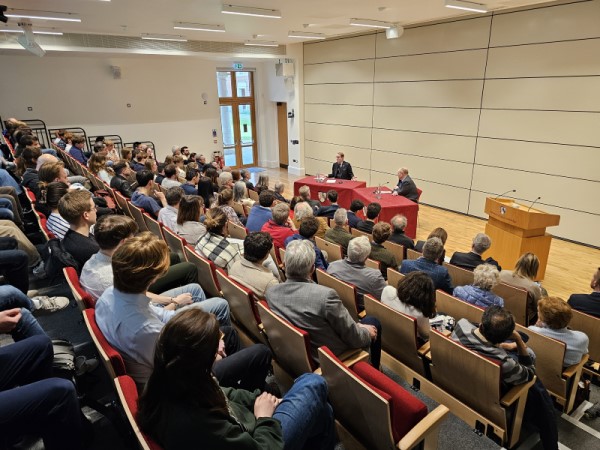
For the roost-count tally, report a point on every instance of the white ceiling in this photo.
(330, 17)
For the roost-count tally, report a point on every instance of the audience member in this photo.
(432, 250)
(188, 224)
(77, 150)
(472, 259)
(280, 227)
(225, 202)
(262, 184)
(278, 190)
(485, 278)
(97, 166)
(171, 178)
(119, 181)
(381, 233)
(191, 181)
(353, 219)
(225, 180)
(260, 213)
(588, 303)
(168, 215)
(240, 194)
(307, 231)
(318, 310)
(303, 210)
(55, 223)
(329, 211)
(142, 196)
(523, 277)
(214, 244)
(304, 193)
(30, 180)
(338, 234)
(438, 233)
(373, 210)
(78, 208)
(398, 224)
(246, 175)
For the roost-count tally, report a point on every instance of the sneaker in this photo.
(51, 304)
(85, 365)
(40, 271)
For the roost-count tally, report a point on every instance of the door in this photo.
(238, 118)
(283, 134)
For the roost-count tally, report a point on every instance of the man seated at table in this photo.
(367, 225)
(428, 263)
(398, 224)
(406, 186)
(588, 303)
(340, 168)
(338, 234)
(329, 211)
(472, 259)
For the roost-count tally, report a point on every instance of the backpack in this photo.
(58, 258)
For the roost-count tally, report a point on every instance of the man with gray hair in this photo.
(427, 263)
(245, 174)
(472, 259)
(304, 193)
(278, 191)
(398, 224)
(302, 210)
(280, 227)
(318, 309)
(353, 270)
(338, 234)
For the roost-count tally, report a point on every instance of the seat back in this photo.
(122, 202)
(239, 209)
(515, 300)
(112, 359)
(396, 249)
(346, 291)
(412, 254)
(357, 233)
(206, 272)
(153, 225)
(84, 299)
(457, 308)
(334, 251)
(175, 242)
(253, 195)
(393, 277)
(460, 276)
(138, 215)
(242, 305)
(419, 192)
(400, 337)
(128, 395)
(290, 345)
(590, 325)
(237, 231)
(373, 264)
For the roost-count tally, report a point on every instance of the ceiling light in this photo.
(248, 11)
(262, 43)
(466, 6)
(42, 15)
(370, 23)
(394, 32)
(304, 35)
(198, 27)
(53, 33)
(164, 37)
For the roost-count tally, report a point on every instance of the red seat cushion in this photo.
(405, 409)
(116, 360)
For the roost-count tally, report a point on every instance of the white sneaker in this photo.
(50, 304)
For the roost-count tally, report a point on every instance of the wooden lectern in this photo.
(515, 229)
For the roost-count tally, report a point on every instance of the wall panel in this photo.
(339, 72)
(337, 134)
(339, 94)
(356, 116)
(359, 157)
(457, 94)
(430, 120)
(361, 47)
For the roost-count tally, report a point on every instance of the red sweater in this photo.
(279, 233)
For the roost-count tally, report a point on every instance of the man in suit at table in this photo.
(406, 186)
(341, 169)
(588, 303)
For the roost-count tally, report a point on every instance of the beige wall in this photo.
(473, 108)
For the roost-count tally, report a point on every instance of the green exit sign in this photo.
(238, 66)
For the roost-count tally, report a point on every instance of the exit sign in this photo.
(238, 66)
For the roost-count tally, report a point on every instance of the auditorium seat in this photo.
(175, 242)
(346, 292)
(112, 359)
(206, 272)
(84, 299)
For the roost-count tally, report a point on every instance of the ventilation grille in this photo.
(136, 43)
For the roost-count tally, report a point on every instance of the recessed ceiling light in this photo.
(199, 27)
(370, 23)
(164, 37)
(305, 35)
(262, 43)
(466, 6)
(248, 11)
(53, 33)
(42, 15)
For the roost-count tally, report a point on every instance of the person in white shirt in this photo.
(168, 215)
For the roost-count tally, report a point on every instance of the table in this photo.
(390, 206)
(344, 188)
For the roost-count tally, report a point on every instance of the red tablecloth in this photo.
(390, 206)
(344, 189)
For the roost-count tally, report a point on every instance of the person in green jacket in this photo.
(183, 405)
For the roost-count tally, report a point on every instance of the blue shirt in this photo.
(439, 274)
(7, 180)
(189, 189)
(320, 261)
(259, 215)
(146, 202)
(78, 155)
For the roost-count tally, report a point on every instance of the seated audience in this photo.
(191, 181)
(304, 193)
(78, 208)
(262, 184)
(588, 303)
(318, 310)
(307, 231)
(381, 233)
(120, 181)
(207, 185)
(112, 154)
(428, 263)
(55, 223)
(481, 242)
(188, 224)
(352, 269)
(554, 315)
(373, 210)
(355, 207)
(485, 278)
(250, 270)
(260, 213)
(225, 180)
(132, 327)
(280, 227)
(438, 233)
(214, 244)
(139, 161)
(9, 229)
(488, 339)
(523, 277)
(246, 175)
(31, 178)
(415, 297)
(168, 215)
(77, 152)
(302, 210)
(97, 165)
(142, 197)
(184, 407)
(224, 201)
(171, 178)
(240, 194)
(278, 190)
(398, 224)
(338, 234)
(329, 211)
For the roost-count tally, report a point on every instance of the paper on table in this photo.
(331, 181)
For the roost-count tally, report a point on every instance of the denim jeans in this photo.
(11, 297)
(305, 416)
(376, 344)
(6, 212)
(217, 306)
(13, 265)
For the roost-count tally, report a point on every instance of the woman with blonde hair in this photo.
(97, 165)
(188, 225)
(523, 276)
(225, 202)
(112, 154)
(214, 244)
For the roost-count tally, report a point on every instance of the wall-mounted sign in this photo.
(238, 66)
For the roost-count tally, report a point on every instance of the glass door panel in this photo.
(228, 133)
(224, 84)
(243, 84)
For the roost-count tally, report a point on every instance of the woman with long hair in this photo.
(414, 296)
(184, 407)
(97, 165)
(214, 244)
(523, 276)
(207, 185)
(189, 226)
(225, 202)
(55, 223)
(262, 184)
(438, 232)
(240, 194)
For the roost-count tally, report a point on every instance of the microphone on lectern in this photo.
(504, 193)
(534, 202)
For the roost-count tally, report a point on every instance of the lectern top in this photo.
(509, 211)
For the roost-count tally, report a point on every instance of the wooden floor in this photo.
(570, 266)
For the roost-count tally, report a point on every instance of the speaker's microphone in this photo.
(504, 193)
(534, 202)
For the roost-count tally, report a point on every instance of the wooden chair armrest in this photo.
(429, 425)
(569, 371)
(516, 392)
(362, 314)
(353, 356)
(424, 349)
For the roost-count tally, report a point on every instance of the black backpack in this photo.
(58, 258)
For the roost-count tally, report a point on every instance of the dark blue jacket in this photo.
(439, 274)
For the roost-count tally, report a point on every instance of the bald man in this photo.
(406, 186)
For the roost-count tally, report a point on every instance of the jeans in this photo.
(13, 265)
(6, 212)
(11, 297)
(305, 416)
(376, 344)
